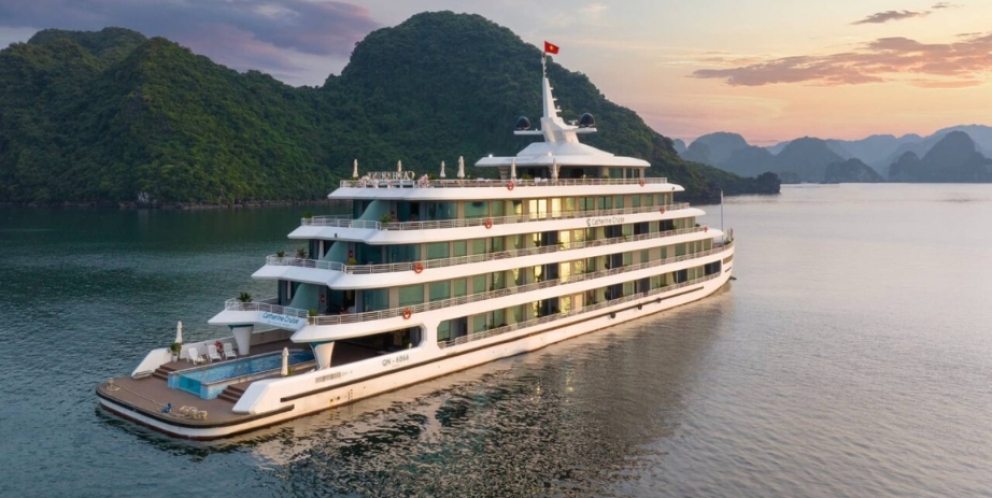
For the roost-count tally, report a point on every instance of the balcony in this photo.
(476, 258)
(346, 222)
(409, 182)
(446, 303)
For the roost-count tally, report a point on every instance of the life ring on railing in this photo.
(219, 345)
(407, 313)
(418, 267)
(661, 210)
(641, 182)
(488, 223)
(510, 185)
(706, 229)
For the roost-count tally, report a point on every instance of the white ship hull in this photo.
(300, 395)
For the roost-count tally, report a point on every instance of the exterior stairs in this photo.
(162, 372)
(232, 394)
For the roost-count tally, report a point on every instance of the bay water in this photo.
(851, 357)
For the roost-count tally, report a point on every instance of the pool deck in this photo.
(150, 394)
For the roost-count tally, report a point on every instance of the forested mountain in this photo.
(953, 159)
(852, 170)
(113, 117)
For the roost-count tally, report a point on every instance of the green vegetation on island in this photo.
(114, 117)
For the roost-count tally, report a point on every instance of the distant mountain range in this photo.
(955, 154)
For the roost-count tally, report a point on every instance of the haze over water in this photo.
(852, 357)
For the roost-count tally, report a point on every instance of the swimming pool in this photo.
(209, 381)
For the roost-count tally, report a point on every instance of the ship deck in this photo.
(149, 395)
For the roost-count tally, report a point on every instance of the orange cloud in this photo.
(877, 61)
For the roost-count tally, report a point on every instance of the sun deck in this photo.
(149, 395)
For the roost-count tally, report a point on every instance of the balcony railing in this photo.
(265, 305)
(434, 305)
(491, 183)
(485, 334)
(344, 222)
(476, 258)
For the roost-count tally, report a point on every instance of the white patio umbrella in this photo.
(285, 362)
(513, 169)
(554, 169)
(399, 166)
(442, 175)
(354, 171)
(461, 166)
(179, 332)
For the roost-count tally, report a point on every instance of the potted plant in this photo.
(312, 312)
(244, 298)
(280, 254)
(175, 347)
(308, 215)
(301, 253)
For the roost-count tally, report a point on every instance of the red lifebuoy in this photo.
(407, 313)
(418, 267)
(661, 210)
(219, 345)
(509, 186)
(489, 223)
(641, 182)
(706, 229)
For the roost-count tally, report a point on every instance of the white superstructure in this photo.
(431, 276)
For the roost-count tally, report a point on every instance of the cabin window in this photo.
(437, 250)
(478, 246)
(440, 291)
(444, 331)
(617, 202)
(478, 323)
(478, 284)
(476, 209)
(460, 286)
(570, 205)
(375, 300)
(459, 248)
(497, 208)
(411, 294)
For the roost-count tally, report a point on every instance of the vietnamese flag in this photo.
(550, 48)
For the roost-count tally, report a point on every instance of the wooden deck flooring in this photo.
(150, 394)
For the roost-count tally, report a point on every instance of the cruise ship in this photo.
(433, 275)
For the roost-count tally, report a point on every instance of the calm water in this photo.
(852, 357)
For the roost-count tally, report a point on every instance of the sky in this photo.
(771, 70)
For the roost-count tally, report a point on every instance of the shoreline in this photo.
(169, 206)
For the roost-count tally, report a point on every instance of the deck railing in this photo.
(492, 182)
(485, 334)
(457, 301)
(344, 222)
(267, 305)
(475, 258)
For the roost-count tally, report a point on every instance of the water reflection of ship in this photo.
(572, 414)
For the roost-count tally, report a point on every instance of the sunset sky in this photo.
(770, 70)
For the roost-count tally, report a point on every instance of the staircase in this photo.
(163, 372)
(232, 394)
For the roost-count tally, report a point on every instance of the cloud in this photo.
(892, 15)
(246, 34)
(944, 5)
(941, 65)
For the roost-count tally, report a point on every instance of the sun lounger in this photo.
(194, 356)
(229, 351)
(212, 353)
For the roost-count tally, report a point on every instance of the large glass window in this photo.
(440, 290)
(407, 253)
(478, 246)
(442, 210)
(478, 323)
(461, 286)
(411, 294)
(444, 331)
(375, 300)
(459, 248)
(497, 208)
(478, 284)
(437, 250)
(476, 209)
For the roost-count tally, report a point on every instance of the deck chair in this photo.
(212, 353)
(229, 351)
(194, 356)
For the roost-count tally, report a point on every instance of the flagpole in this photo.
(721, 212)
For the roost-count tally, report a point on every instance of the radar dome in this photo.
(522, 123)
(587, 121)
